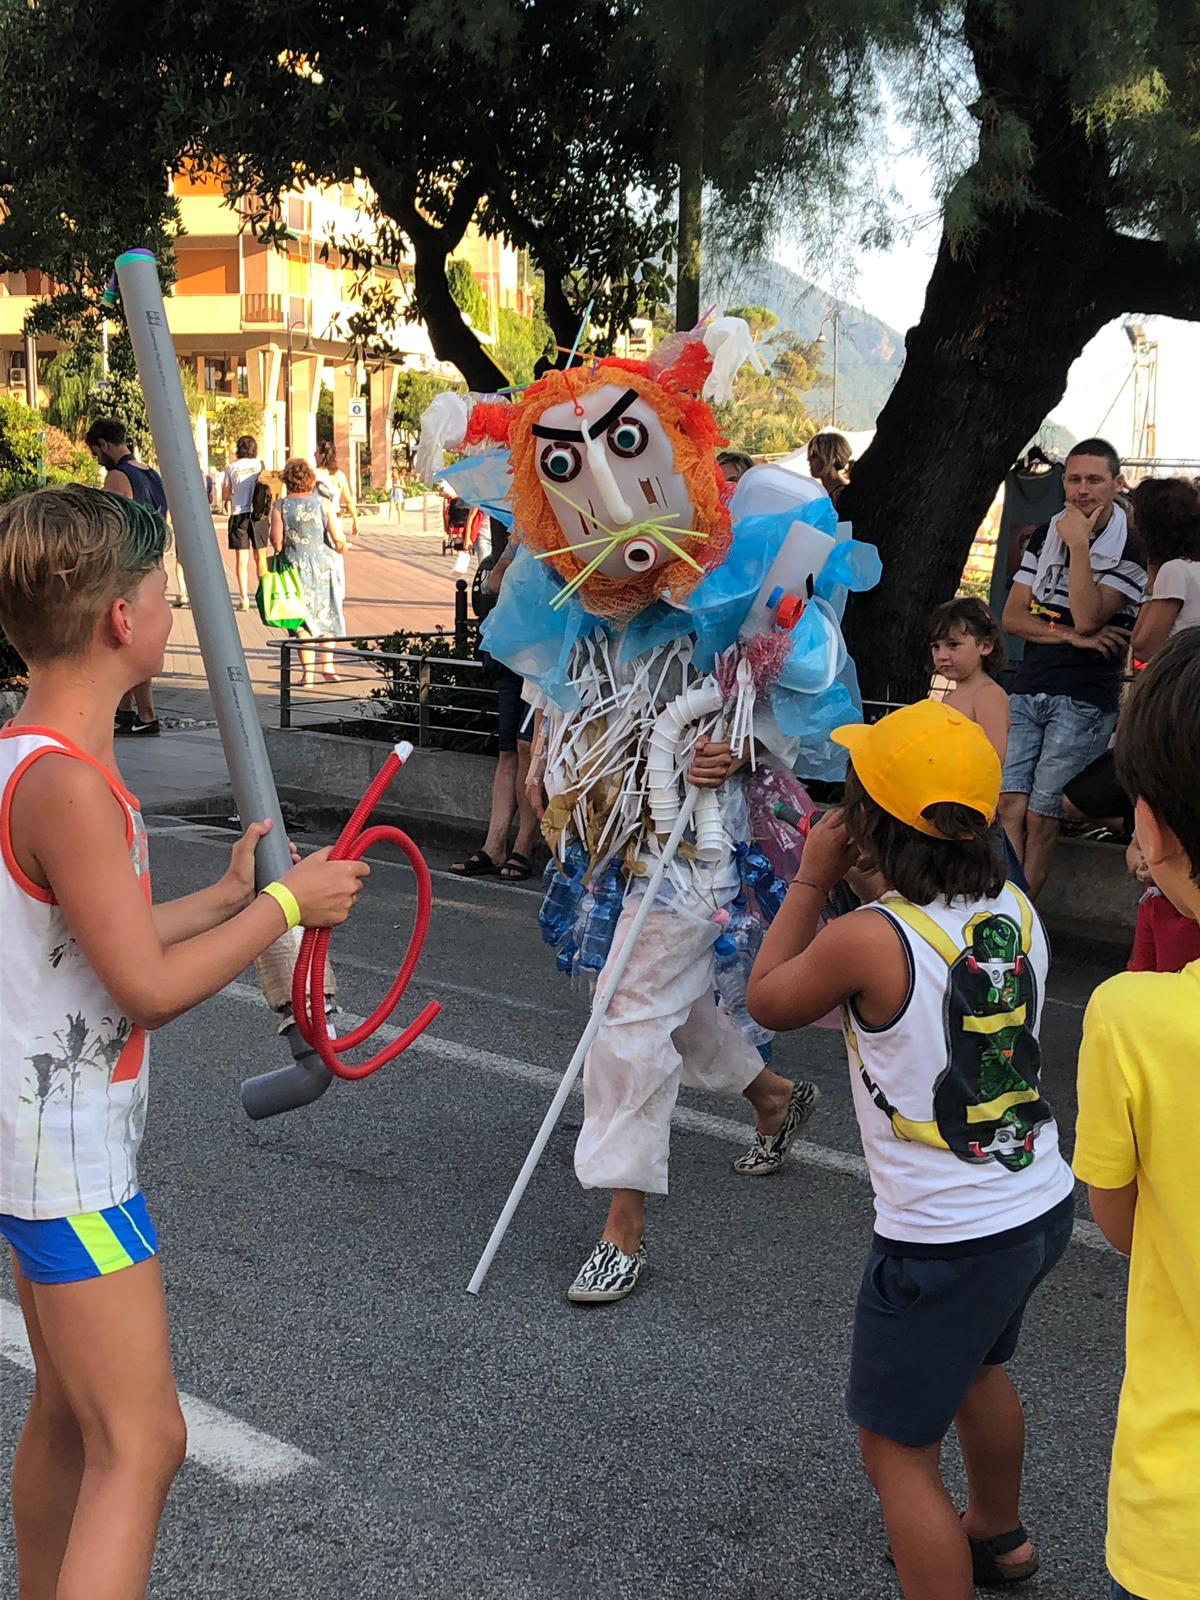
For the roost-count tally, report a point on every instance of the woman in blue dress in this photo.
(305, 531)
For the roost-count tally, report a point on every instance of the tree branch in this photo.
(1143, 275)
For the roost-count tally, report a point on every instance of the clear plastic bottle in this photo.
(603, 914)
(733, 957)
(769, 890)
(559, 909)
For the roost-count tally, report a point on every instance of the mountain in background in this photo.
(870, 355)
(870, 352)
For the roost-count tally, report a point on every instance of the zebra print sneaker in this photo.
(607, 1274)
(769, 1150)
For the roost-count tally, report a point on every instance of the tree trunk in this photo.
(451, 338)
(985, 364)
(559, 312)
(691, 196)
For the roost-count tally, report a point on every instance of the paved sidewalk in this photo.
(181, 766)
(396, 578)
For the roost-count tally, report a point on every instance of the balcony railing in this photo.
(263, 310)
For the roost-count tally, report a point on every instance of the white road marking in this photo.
(725, 1129)
(511, 1002)
(223, 1444)
(214, 837)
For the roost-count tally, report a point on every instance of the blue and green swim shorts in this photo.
(71, 1249)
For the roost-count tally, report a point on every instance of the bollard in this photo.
(461, 647)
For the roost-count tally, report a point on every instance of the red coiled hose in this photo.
(308, 980)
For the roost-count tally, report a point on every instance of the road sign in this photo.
(358, 418)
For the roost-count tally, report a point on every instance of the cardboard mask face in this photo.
(610, 471)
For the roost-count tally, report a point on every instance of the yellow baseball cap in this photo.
(924, 755)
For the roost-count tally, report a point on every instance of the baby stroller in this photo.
(460, 525)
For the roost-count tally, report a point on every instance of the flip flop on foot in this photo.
(517, 868)
(477, 865)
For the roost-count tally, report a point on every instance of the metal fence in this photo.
(436, 692)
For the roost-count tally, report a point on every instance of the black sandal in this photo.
(987, 1572)
(477, 865)
(516, 869)
(993, 1574)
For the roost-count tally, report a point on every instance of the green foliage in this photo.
(768, 414)
(522, 342)
(460, 703)
(22, 466)
(33, 454)
(120, 395)
(468, 296)
(761, 320)
(325, 415)
(70, 377)
(233, 418)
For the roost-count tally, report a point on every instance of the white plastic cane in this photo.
(610, 980)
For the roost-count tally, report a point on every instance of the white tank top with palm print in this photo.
(73, 1068)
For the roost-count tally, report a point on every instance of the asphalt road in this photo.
(688, 1442)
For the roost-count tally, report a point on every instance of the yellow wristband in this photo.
(286, 901)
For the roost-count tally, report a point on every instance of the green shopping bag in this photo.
(280, 596)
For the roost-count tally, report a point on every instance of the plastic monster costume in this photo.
(649, 605)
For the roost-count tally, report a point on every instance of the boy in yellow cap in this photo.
(941, 982)
(1135, 1148)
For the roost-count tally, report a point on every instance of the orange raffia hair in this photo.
(695, 437)
(489, 422)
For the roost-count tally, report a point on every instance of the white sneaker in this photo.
(769, 1151)
(608, 1274)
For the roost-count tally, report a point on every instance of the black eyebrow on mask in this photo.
(575, 435)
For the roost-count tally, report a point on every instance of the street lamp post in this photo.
(297, 322)
(834, 318)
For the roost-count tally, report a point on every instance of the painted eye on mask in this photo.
(561, 462)
(627, 438)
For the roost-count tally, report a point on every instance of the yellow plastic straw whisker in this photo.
(677, 550)
(580, 578)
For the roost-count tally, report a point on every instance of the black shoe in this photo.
(143, 730)
(123, 721)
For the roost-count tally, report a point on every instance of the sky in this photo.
(1099, 395)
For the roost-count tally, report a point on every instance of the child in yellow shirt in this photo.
(1136, 1151)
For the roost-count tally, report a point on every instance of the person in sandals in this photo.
(941, 983)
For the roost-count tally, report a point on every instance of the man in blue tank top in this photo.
(125, 475)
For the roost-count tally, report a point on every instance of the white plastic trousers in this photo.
(663, 1028)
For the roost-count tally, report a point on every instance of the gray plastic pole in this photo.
(220, 642)
(610, 980)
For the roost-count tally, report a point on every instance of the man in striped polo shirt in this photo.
(1074, 601)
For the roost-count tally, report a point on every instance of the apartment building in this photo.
(272, 323)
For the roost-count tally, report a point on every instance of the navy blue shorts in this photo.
(516, 720)
(925, 1324)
